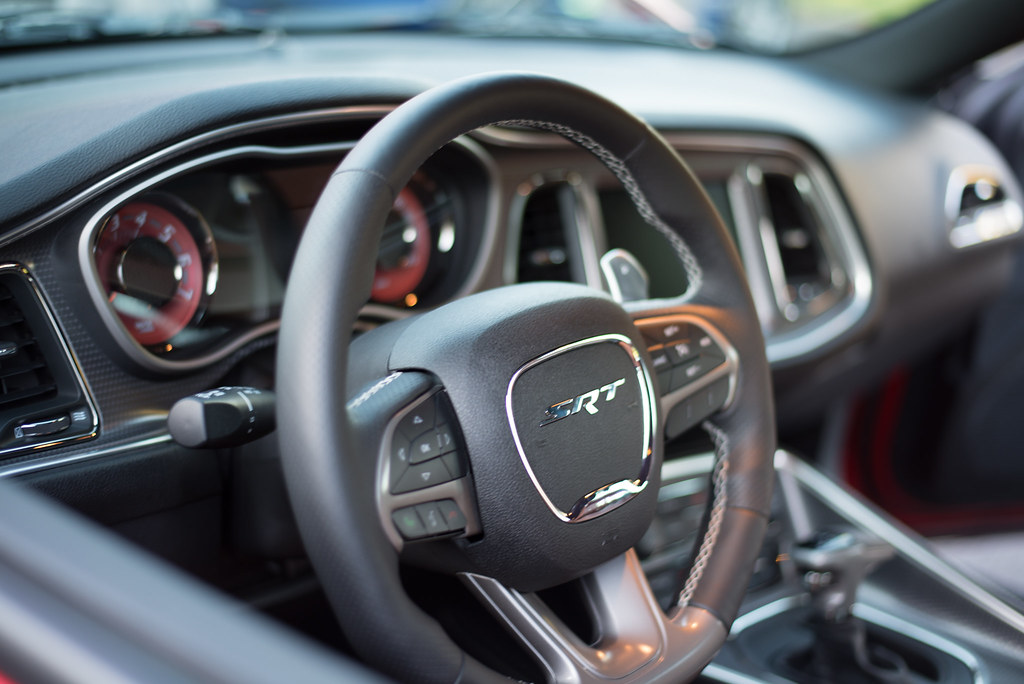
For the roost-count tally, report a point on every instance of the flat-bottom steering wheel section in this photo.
(635, 633)
(606, 406)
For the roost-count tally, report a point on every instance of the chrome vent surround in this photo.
(977, 208)
(43, 399)
(808, 270)
(804, 260)
(806, 274)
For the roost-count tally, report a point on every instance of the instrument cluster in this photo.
(194, 266)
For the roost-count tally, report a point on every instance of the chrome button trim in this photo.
(727, 368)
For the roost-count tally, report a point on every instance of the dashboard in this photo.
(164, 256)
(147, 243)
(191, 264)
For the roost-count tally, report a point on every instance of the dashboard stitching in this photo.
(365, 396)
(707, 545)
(694, 274)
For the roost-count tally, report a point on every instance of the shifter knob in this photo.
(834, 563)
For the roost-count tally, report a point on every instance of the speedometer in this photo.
(157, 264)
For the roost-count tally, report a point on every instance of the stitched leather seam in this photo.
(368, 394)
(721, 498)
(694, 275)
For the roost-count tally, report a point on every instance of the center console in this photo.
(840, 594)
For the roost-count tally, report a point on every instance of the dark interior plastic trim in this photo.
(902, 57)
(141, 619)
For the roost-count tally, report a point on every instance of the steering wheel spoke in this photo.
(695, 366)
(635, 640)
(425, 489)
(423, 484)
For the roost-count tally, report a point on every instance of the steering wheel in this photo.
(514, 437)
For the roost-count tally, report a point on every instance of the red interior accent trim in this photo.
(887, 421)
(867, 468)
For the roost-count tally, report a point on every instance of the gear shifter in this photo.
(834, 563)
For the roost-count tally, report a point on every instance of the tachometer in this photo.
(404, 251)
(157, 263)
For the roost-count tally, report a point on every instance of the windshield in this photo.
(774, 26)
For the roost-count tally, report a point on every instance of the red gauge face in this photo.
(152, 269)
(404, 251)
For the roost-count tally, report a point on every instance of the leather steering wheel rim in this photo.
(320, 434)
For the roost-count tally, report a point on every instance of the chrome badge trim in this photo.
(586, 401)
(614, 494)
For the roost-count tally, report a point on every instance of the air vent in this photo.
(548, 242)
(24, 375)
(978, 209)
(805, 273)
(42, 399)
(798, 236)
